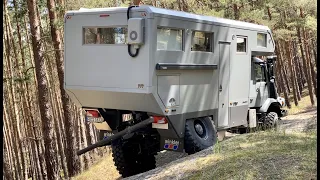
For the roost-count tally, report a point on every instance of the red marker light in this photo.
(160, 120)
(93, 113)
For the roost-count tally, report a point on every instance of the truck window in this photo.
(259, 73)
(241, 44)
(169, 39)
(262, 40)
(104, 35)
(201, 41)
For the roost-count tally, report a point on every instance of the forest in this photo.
(43, 129)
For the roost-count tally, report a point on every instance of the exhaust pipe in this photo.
(106, 142)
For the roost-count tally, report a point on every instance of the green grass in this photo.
(263, 155)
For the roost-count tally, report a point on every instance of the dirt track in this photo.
(173, 160)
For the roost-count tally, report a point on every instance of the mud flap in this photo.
(170, 140)
(172, 144)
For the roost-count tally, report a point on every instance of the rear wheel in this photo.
(200, 133)
(129, 161)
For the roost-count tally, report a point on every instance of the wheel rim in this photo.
(200, 128)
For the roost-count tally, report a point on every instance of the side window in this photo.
(201, 41)
(169, 39)
(262, 40)
(241, 44)
(259, 73)
(104, 35)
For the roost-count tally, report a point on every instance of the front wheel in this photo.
(271, 121)
(200, 133)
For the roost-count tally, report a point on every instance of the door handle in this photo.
(220, 88)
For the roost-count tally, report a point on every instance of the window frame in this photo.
(211, 42)
(182, 38)
(86, 27)
(266, 39)
(246, 44)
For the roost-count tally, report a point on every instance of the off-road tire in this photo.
(129, 163)
(193, 142)
(271, 121)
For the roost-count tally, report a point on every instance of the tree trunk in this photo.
(292, 74)
(43, 94)
(184, 6)
(306, 67)
(72, 158)
(179, 5)
(236, 12)
(269, 13)
(295, 67)
(15, 72)
(314, 48)
(16, 159)
(78, 134)
(282, 77)
(34, 108)
(56, 116)
(13, 98)
(301, 78)
(86, 158)
(309, 55)
(91, 139)
(7, 160)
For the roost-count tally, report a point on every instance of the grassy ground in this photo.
(263, 155)
(304, 104)
(102, 170)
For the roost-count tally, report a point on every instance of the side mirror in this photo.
(270, 59)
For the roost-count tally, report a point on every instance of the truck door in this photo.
(261, 84)
(224, 76)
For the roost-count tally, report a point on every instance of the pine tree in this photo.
(43, 93)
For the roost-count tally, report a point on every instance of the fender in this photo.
(267, 103)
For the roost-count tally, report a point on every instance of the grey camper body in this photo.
(187, 66)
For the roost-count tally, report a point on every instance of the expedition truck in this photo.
(153, 79)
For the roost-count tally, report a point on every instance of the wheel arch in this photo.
(271, 105)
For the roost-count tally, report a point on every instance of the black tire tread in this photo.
(192, 145)
(269, 121)
(129, 164)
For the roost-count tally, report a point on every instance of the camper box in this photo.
(169, 66)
